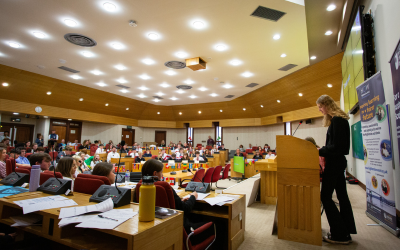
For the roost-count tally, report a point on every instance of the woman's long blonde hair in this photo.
(332, 108)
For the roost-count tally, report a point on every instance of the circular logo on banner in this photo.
(386, 150)
(385, 187)
(380, 113)
(374, 182)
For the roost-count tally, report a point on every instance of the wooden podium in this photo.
(299, 204)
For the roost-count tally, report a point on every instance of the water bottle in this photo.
(127, 176)
(34, 178)
(147, 199)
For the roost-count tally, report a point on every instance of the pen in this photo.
(101, 216)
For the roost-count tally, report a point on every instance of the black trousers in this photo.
(341, 223)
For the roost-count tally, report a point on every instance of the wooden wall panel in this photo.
(156, 124)
(201, 124)
(240, 122)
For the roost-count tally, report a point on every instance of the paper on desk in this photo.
(221, 199)
(37, 204)
(76, 219)
(121, 215)
(29, 202)
(74, 211)
(200, 196)
(179, 190)
(26, 220)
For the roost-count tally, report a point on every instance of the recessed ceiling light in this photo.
(76, 77)
(276, 36)
(70, 22)
(261, 106)
(48, 93)
(220, 110)
(199, 112)
(283, 55)
(45, 117)
(173, 98)
(158, 113)
(180, 113)
(69, 119)
(121, 80)
(156, 100)
(181, 54)
(313, 57)
(148, 61)
(87, 54)
(106, 104)
(331, 7)
(235, 62)
(117, 45)
(153, 36)
(80, 99)
(5, 84)
(180, 91)
(300, 94)
(170, 72)
(221, 47)
(329, 85)
(109, 7)
(188, 81)
(145, 77)
(213, 95)
(328, 33)
(120, 67)
(14, 45)
(164, 85)
(127, 108)
(203, 89)
(198, 25)
(247, 74)
(124, 91)
(160, 94)
(193, 96)
(141, 95)
(278, 101)
(15, 113)
(227, 86)
(143, 88)
(96, 72)
(101, 84)
(39, 34)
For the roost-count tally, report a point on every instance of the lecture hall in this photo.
(194, 125)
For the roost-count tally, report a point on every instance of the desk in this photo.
(180, 175)
(131, 235)
(103, 157)
(217, 161)
(249, 170)
(223, 154)
(269, 183)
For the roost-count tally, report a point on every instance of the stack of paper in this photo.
(37, 204)
(74, 211)
(108, 220)
(76, 219)
(26, 220)
(220, 200)
(200, 196)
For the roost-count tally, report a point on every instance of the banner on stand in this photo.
(395, 68)
(377, 150)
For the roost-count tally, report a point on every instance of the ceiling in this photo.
(247, 38)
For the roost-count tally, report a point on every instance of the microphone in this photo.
(297, 127)
(14, 168)
(116, 177)
(55, 176)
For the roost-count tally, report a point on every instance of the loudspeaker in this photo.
(309, 121)
(106, 191)
(15, 179)
(27, 116)
(55, 186)
(199, 187)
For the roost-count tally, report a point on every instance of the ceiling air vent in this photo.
(122, 86)
(251, 85)
(80, 40)
(175, 64)
(267, 13)
(68, 69)
(229, 96)
(288, 67)
(158, 97)
(185, 87)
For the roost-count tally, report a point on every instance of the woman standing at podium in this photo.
(336, 147)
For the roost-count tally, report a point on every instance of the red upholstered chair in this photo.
(53, 155)
(225, 175)
(27, 154)
(88, 184)
(9, 149)
(23, 167)
(244, 154)
(44, 176)
(198, 177)
(254, 148)
(164, 194)
(73, 153)
(154, 156)
(199, 145)
(10, 165)
(93, 150)
(216, 175)
(249, 151)
(22, 171)
(7, 156)
(204, 244)
(208, 147)
(107, 146)
(208, 176)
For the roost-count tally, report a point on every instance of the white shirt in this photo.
(92, 164)
(2, 137)
(99, 150)
(198, 159)
(138, 149)
(112, 155)
(134, 154)
(50, 136)
(178, 154)
(176, 151)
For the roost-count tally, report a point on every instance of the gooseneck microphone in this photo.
(202, 181)
(55, 176)
(116, 177)
(297, 127)
(14, 163)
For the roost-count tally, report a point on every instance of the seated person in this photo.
(100, 149)
(42, 159)
(238, 153)
(162, 144)
(112, 154)
(222, 147)
(105, 169)
(93, 160)
(198, 157)
(3, 172)
(66, 153)
(74, 144)
(185, 145)
(61, 145)
(124, 149)
(14, 154)
(33, 149)
(241, 148)
(147, 153)
(162, 156)
(179, 154)
(80, 163)
(173, 157)
(140, 158)
(27, 144)
(67, 167)
(185, 157)
(261, 150)
(84, 145)
(269, 154)
(134, 153)
(22, 160)
(250, 147)
(257, 155)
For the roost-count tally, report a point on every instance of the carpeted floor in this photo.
(260, 217)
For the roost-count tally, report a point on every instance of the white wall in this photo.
(314, 130)
(201, 134)
(42, 127)
(387, 34)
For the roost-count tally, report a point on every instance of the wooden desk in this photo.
(222, 157)
(131, 235)
(211, 162)
(217, 161)
(249, 170)
(180, 175)
(103, 157)
(269, 183)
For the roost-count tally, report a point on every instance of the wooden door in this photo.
(128, 135)
(61, 131)
(74, 134)
(159, 136)
(24, 132)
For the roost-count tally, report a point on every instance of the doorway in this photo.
(159, 136)
(18, 132)
(128, 135)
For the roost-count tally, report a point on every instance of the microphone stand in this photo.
(297, 127)
(116, 177)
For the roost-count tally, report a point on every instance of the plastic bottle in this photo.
(34, 178)
(147, 199)
(127, 176)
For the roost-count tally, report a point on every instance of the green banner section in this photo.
(238, 164)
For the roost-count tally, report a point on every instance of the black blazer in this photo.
(337, 138)
(138, 160)
(239, 154)
(257, 157)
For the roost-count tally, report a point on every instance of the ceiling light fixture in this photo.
(121, 80)
(117, 45)
(70, 22)
(148, 61)
(106, 104)
(109, 7)
(313, 57)
(76, 77)
(120, 67)
(181, 54)
(164, 85)
(15, 113)
(5, 84)
(261, 106)
(180, 113)
(193, 96)
(124, 91)
(227, 86)
(170, 72)
(276, 36)
(143, 88)
(221, 47)
(101, 84)
(160, 94)
(156, 100)
(69, 119)
(283, 55)
(48, 93)
(331, 7)
(300, 94)
(144, 77)
(87, 54)
(199, 112)
(203, 89)
(180, 91)
(220, 110)
(244, 109)
(96, 72)
(153, 36)
(14, 45)
(188, 81)
(235, 62)
(247, 74)
(158, 113)
(198, 25)
(80, 99)
(141, 95)
(127, 108)
(173, 98)
(39, 34)
(330, 85)
(278, 101)
(213, 95)
(328, 33)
